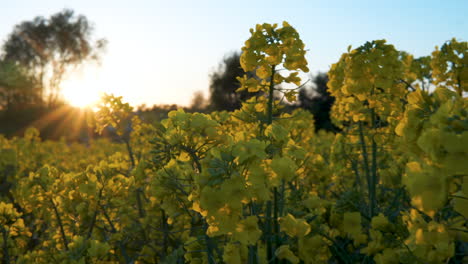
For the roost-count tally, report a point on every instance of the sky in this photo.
(161, 52)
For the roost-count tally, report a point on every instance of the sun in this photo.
(85, 86)
(82, 89)
(80, 94)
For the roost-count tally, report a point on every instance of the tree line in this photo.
(312, 96)
(38, 54)
(34, 59)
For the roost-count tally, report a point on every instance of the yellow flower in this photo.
(375, 245)
(8, 214)
(232, 254)
(379, 222)
(283, 167)
(263, 71)
(283, 252)
(313, 250)
(247, 231)
(233, 192)
(211, 199)
(313, 202)
(294, 227)
(388, 256)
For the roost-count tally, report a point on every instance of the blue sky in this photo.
(163, 51)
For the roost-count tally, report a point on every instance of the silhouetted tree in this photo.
(155, 113)
(199, 102)
(49, 48)
(34, 59)
(223, 85)
(16, 88)
(318, 101)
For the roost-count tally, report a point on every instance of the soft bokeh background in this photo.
(161, 52)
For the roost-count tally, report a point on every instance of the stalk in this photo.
(6, 255)
(165, 230)
(374, 179)
(253, 255)
(209, 246)
(59, 220)
(93, 221)
(275, 220)
(354, 166)
(270, 96)
(270, 251)
(272, 247)
(114, 230)
(130, 152)
(460, 88)
(141, 212)
(366, 169)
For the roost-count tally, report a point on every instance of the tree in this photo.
(198, 103)
(318, 101)
(16, 88)
(224, 83)
(50, 48)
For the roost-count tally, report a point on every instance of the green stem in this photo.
(130, 152)
(458, 196)
(114, 230)
(6, 255)
(271, 247)
(253, 249)
(354, 166)
(252, 255)
(372, 191)
(93, 221)
(366, 167)
(275, 221)
(59, 220)
(109, 221)
(460, 88)
(165, 230)
(209, 246)
(338, 249)
(270, 96)
(268, 233)
(141, 211)
(281, 199)
(373, 196)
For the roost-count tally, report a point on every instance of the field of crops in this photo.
(259, 185)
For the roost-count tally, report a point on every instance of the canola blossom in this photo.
(259, 185)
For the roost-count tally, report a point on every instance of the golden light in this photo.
(80, 94)
(83, 88)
